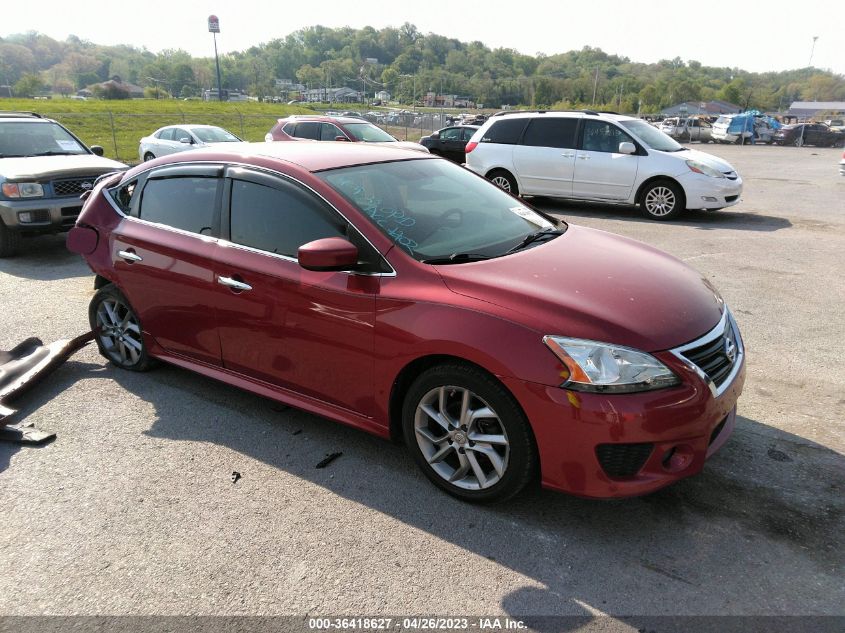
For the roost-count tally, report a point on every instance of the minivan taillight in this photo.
(470, 146)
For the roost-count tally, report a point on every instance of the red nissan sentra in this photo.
(406, 296)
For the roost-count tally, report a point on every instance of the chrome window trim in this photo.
(709, 337)
(391, 273)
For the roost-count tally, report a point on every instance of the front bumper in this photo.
(48, 215)
(670, 431)
(710, 193)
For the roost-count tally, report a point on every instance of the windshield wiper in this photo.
(55, 153)
(542, 234)
(456, 258)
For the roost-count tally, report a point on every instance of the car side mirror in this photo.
(330, 253)
(626, 147)
(341, 138)
(185, 140)
(97, 149)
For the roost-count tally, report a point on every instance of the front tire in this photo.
(468, 434)
(10, 241)
(662, 200)
(117, 330)
(504, 180)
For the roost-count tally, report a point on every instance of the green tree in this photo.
(29, 85)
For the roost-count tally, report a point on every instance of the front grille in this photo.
(73, 186)
(730, 198)
(713, 358)
(623, 460)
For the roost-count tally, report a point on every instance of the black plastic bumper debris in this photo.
(20, 369)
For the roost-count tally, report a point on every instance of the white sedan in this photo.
(178, 138)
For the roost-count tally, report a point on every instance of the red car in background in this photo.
(330, 128)
(411, 298)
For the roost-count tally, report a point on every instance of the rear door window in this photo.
(551, 132)
(308, 129)
(188, 203)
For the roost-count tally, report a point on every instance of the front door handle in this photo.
(570, 155)
(129, 256)
(584, 156)
(233, 283)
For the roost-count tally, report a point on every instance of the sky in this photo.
(642, 30)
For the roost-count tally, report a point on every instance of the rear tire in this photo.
(10, 241)
(504, 180)
(149, 156)
(117, 330)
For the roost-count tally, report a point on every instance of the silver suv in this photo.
(43, 171)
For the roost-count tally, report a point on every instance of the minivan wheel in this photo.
(504, 180)
(468, 434)
(117, 330)
(662, 200)
(10, 241)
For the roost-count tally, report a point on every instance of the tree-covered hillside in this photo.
(411, 62)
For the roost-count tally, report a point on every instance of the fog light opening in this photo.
(25, 217)
(708, 198)
(677, 458)
(667, 457)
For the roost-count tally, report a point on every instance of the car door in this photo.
(545, 158)
(451, 145)
(310, 332)
(330, 132)
(163, 255)
(601, 172)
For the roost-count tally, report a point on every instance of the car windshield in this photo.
(436, 210)
(368, 133)
(652, 137)
(214, 135)
(37, 139)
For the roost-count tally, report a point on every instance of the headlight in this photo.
(701, 168)
(22, 190)
(605, 368)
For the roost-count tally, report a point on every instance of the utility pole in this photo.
(595, 85)
(214, 29)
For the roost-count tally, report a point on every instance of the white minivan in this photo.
(601, 157)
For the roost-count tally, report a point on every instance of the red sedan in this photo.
(406, 296)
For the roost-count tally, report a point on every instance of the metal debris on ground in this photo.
(328, 460)
(235, 476)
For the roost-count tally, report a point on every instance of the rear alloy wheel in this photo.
(468, 435)
(504, 180)
(662, 200)
(10, 241)
(117, 330)
(149, 156)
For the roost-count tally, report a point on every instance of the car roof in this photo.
(190, 126)
(322, 118)
(560, 113)
(310, 155)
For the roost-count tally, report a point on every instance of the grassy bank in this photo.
(119, 125)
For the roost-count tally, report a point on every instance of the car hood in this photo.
(404, 145)
(45, 167)
(703, 157)
(594, 285)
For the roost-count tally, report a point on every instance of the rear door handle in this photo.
(129, 256)
(233, 283)
(570, 155)
(583, 157)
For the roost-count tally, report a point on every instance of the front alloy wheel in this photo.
(468, 434)
(662, 201)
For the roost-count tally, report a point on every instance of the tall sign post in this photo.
(214, 29)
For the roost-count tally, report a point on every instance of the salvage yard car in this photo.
(406, 296)
(602, 157)
(334, 128)
(686, 129)
(44, 169)
(817, 134)
(178, 138)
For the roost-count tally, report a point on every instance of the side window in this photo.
(185, 202)
(507, 131)
(290, 129)
(166, 135)
(551, 132)
(468, 132)
(330, 132)
(179, 134)
(600, 136)
(122, 196)
(451, 134)
(279, 219)
(308, 129)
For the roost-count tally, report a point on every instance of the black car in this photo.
(817, 134)
(450, 141)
